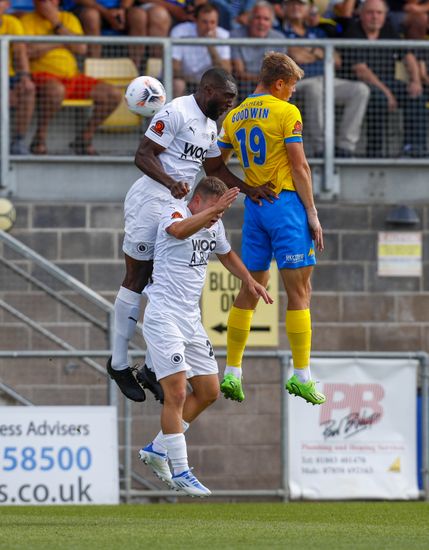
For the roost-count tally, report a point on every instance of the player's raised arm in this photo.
(147, 161)
(182, 229)
(215, 166)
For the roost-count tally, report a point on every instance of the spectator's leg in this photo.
(311, 90)
(354, 97)
(414, 117)
(179, 87)
(91, 23)
(106, 98)
(159, 24)
(25, 97)
(50, 95)
(137, 25)
(376, 115)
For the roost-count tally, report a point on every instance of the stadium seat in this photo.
(118, 72)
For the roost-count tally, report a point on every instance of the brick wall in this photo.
(352, 309)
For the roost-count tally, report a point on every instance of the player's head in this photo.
(206, 194)
(279, 74)
(216, 92)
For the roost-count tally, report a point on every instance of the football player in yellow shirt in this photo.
(265, 132)
(21, 88)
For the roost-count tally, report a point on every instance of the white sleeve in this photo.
(164, 126)
(175, 211)
(213, 150)
(222, 244)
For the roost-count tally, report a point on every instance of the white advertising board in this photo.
(362, 442)
(58, 455)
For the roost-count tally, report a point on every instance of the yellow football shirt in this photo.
(58, 61)
(11, 25)
(258, 130)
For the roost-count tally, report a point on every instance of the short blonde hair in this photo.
(278, 65)
(210, 186)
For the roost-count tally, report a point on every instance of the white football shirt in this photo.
(180, 266)
(188, 136)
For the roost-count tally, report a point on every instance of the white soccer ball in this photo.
(145, 96)
(7, 214)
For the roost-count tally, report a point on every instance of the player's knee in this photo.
(174, 397)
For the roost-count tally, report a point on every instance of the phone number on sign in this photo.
(45, 458)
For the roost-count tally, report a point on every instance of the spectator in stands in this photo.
(120, 16)
(376, 67)
(21, 87)
(408, 16)
(190, 62)
(55, 73)
(233, 13)
(247, 60)
(352, 96)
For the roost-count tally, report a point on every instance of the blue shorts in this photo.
(279, 229)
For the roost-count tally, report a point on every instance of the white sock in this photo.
(303, 375)
(127, 313)
(236, 371)
(158, 443)
(177, 452)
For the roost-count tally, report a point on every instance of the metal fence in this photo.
(340, 114)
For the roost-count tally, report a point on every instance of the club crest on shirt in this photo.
(176, 215)
(158, 127)
(297, 129)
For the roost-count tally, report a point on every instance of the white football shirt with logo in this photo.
(188, 136)
(180, 265)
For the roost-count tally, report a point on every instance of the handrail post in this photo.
(424, 361)
(112, 389)
(284, 435)
(4, 114)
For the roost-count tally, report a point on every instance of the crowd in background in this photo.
(366, 87)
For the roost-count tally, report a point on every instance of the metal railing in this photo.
(329, 161)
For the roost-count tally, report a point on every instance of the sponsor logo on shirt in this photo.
(294, 258)
(158, 127)
(176, 215)
(201, 251)
(193, 151)
(297, 129)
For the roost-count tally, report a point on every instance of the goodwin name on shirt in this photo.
(253, 112)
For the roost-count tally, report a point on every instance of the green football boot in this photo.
(306, 390)
(231, 388)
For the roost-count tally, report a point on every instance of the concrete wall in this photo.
(352, 309)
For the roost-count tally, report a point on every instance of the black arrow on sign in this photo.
(222, 328)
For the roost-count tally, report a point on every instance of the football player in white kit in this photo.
(180, 140)
(179, 350)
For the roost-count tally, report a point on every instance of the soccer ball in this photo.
(7, 214)
(145, 96)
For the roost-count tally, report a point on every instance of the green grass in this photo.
(207, 526)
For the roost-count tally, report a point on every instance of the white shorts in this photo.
(176, 346)
(142, 212)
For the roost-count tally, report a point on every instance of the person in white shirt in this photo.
(190, 62)
(180, 140)
(179, 350)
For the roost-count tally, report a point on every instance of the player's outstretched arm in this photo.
(187, 227)
(301, 175)
(147, 161)
(215, 166)
(234, 265)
